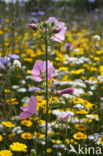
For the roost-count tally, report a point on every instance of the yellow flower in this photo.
(50, 133)
(67, 141)
(11, 135)
(7, 90)
(79, 136)
(82, 111)
(11, 100)
(1, 138)
(76, 72)
(26, 135)
(56, 141)
(27, 123)
(41, 121)
(5, 152)
(7, 124)
(101, 140)
(18, 147)
(39, 135)
(80, 127)
(72, 141)
(28, 59)
(49, 150)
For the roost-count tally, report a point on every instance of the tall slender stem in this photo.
(46, 131)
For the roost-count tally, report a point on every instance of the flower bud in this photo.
(67, 91)
(32, 26)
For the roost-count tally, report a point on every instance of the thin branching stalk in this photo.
(46, 128)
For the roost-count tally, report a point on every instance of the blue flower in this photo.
(13, 56)
(33, 13)
(4, 62)
(91, 1)
(33, 19)
(41, 12)
(1, 63)
(21, 4)
(33, 89)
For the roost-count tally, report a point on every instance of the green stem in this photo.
(46, 131)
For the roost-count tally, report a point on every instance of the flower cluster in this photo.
(6, 61)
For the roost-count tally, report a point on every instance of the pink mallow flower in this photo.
(39, 70)
(29, 110)
(64, 117)
(66, 91)
(59, 29)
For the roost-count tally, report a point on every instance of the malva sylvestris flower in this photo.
(59, 29)
(66, 91)
(29, 110)
(39, 70)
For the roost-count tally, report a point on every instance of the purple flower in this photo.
(59, 29)
(13, 56)
(67, 91)
(41, 13)
(68, 45)
(6, 35)
(39, 70)
(21, 4)
(53, 85)
(91, 1)
(65, 116)
(29, 110)
(33, 89)
(33, 19)
(4, 62)
(1, 63)
(7, 9)
(33, 13)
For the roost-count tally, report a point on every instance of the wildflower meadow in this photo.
(51, 78)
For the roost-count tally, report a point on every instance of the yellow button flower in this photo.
(1, 138)
(27, 123)
(7, 124)
(5, 152)
(18, 147)
(49, 150)
(79, 136)
(26, 135)
(101, 140)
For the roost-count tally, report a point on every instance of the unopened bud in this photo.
(32, 26)
(66, 91)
